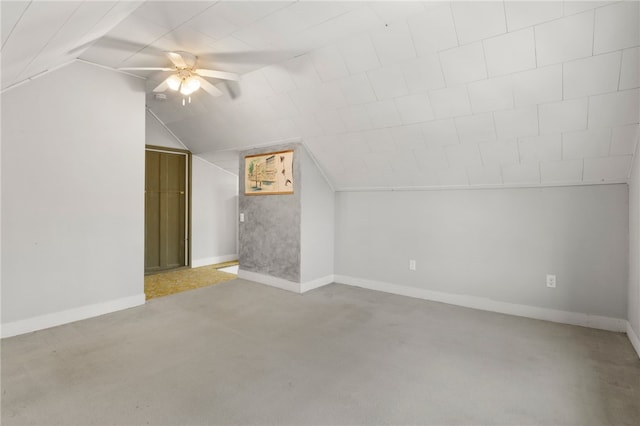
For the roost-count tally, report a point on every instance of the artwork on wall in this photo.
(268, 174)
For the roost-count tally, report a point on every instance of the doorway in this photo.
(167, 209)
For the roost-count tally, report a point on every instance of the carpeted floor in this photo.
(241, 353)
(166, 283)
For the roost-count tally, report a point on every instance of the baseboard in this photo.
(317, 283)
(196, 263)
(565, 317)
(283, 284)
(280, 283)
(633, 337)
(72, 315)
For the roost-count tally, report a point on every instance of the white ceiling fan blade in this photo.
(177, 59)
(162, 86)
(208, 87)
(223, 75)
(145, 69)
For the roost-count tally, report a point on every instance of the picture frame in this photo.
(269, 174)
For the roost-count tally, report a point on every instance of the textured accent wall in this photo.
(269, 238)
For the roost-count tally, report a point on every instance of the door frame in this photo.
(187, 215)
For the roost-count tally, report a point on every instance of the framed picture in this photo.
(269, 174)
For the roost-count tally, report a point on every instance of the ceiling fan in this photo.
(186, 78)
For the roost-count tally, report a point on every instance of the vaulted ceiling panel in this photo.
(11, 14)
(463, 64)
(591, 76)
(538, 149)
(564, 39)
(478, 20)
(509, 53)
(384, 94)
(523, 14)
(616, 27)
(629, 75)
(521, 174)
(561, 172)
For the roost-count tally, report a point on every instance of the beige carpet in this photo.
(171, 282)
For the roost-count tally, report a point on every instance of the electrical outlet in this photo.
(241, 217)
(551, 281)
(412, 265)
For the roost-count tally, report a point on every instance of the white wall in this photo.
(633, 308)
(72, 197)
(214, 216)
(317, 222)
(214, 203)
(493, 246)
(156, 134)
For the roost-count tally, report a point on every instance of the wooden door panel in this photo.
(165, 210)
(152, 231)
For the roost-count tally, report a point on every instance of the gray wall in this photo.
(497, 244)
(72, 192)
(318, 212)
(634, 249)
(269, 238)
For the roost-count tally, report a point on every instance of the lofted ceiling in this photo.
(383, 94)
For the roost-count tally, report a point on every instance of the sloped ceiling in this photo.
(383, 94)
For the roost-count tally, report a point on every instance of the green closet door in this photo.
(165, 211)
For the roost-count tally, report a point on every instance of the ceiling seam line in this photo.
(165, 34)
(16, 24)
(26, 67)
(36, 76)
(153, 114)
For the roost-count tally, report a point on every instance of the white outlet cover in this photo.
(551, 281)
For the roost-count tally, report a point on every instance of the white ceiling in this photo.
(383, 94)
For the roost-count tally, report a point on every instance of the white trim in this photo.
(565, 317)
(317, 283)
(195, 263)
(36, 76)
(633, 337)
(280, 283)
(64, 317)
(107, 67)
(283, 284)
(285, 141)
(474, 187)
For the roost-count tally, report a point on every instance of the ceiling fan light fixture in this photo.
(186, 78)
(174, 82)
(189, 86)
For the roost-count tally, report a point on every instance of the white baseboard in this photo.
(64, 317)
(633, 337)
(317, 283)
(196, 263)
(484, 304)
(283, 284)
(280, 283)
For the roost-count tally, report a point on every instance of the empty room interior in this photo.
(434, 208)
